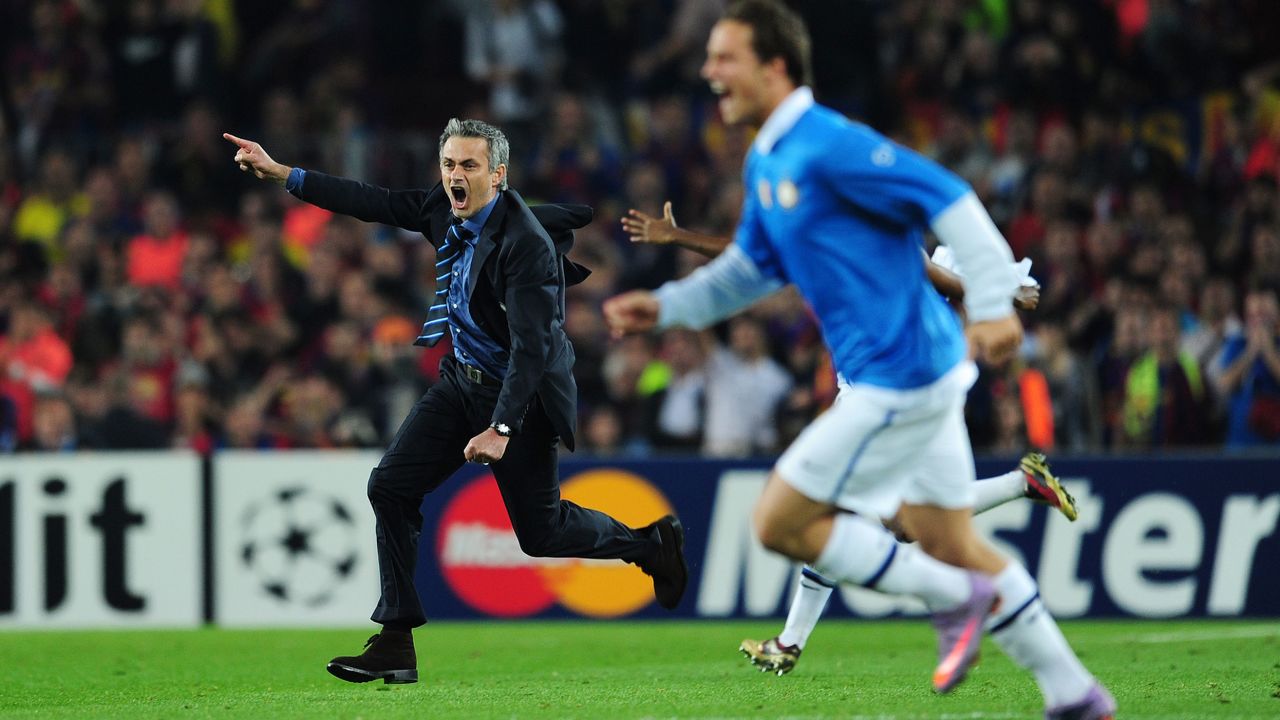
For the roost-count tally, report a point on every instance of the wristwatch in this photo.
(501, 428)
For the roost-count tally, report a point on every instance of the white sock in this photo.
(812, 593)
(864, 553)
(1023, 628)
(998, 490)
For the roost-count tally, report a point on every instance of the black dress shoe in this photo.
(667, 567)
(387, 656)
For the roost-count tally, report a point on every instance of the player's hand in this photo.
(487, 447)
(1027, 297)
(995, 341)
(252, 158)
(645, 228)
(632, 312)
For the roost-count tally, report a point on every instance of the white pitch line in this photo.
(1177, 636)
(944, 716)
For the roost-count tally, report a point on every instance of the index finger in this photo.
(238, 141)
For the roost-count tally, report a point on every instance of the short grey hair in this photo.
(499, 148)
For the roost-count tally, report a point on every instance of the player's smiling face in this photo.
(465, 172)
(735, 74)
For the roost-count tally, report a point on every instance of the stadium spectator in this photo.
(195, 415)
(245, 425)
(54, 426)
(514, 47)
(675, 413)
(56, 79)
(672, 61)
(1166, 397)
(745, 389)
(573, 159)
(155, 255)
(33, 359)
(44, 213)
(143, 64)
(602, 431)
(1250, 373)
(1071, 388)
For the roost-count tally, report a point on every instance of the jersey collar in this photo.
(783, 118)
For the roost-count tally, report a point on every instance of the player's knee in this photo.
(378, 487)
(771, 532)
(386, 488)
(536, 544)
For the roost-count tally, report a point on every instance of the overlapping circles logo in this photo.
(300, 545)
(482, 563)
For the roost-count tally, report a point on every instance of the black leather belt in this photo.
(477, 376)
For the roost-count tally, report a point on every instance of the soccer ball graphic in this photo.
(300, 545)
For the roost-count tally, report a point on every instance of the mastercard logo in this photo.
(482, 562)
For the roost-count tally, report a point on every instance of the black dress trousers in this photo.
(428, 448)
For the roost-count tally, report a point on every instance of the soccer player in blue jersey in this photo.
(838, 210)
(1032, 480)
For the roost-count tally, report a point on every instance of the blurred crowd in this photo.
(153, 296)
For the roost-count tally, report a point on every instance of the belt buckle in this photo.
(474, 375)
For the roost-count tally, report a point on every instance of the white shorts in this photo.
(876, 448)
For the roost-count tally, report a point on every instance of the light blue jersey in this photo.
(837, 209)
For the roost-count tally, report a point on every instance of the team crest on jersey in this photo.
(883, 156)
(765, 193)
(788, 194)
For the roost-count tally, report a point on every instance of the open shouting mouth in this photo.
(458, 195)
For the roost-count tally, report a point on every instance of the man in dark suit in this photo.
(506, 395)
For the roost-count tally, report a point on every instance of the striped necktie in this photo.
(438, 315)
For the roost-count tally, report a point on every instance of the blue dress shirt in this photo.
(471, 345)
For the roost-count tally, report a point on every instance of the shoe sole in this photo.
(963, 656)
(1046, 481)
(675, 531)
(764, 662)
(356, 675)
(956, 666)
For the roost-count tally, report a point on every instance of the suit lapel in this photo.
(487, 242)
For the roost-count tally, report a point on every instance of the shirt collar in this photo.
(476, 222)
(783, 118)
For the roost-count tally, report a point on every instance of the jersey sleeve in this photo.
(888, 181)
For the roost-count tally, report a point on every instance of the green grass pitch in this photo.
(861, 670)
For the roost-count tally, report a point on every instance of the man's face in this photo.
(1261, 310)
(467, 177)
(736, 74)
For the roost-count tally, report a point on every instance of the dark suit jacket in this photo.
(518, 277)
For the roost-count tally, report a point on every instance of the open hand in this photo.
(645, 228)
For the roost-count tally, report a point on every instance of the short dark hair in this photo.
(499, 148)
(776, 31)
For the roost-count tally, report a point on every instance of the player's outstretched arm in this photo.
(251, 157)
(645, 228)
(951, 286)
(722, 287)
(948, 284)
(995, 341)
(631, 313)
